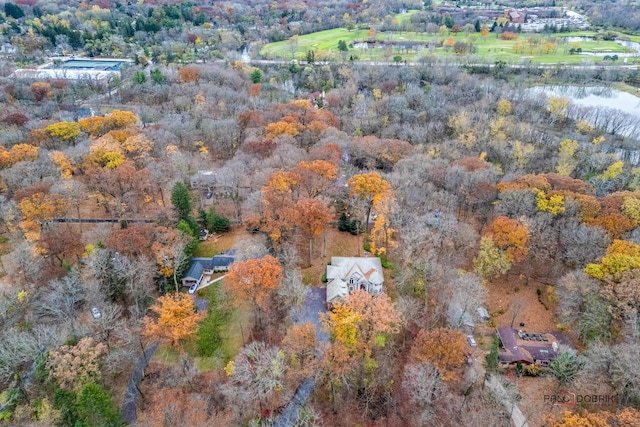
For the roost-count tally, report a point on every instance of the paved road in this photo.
(517, 417)
(211, 282)
(129, 408)
(314, 304)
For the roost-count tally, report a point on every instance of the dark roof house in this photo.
(528, 348)
(198, 267)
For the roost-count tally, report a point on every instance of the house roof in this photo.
(519, 346)
(64, 74)
(459, 317)
(222, 261)
(195, 270)
(344, 267)
(336, 289)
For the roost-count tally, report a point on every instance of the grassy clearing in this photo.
(206, 249)
(489, 49)
(238, 329)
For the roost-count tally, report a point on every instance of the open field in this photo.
(536, 48)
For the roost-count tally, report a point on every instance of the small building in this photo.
(460, 318)
(203, 179)
(347, 274)
(515, 17)
(483, 314)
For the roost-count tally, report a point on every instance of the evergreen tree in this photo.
(181, 200)
(139, 77)
(256, 76)
(156, 76)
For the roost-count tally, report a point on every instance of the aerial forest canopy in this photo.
(199, 228)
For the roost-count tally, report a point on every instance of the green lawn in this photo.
(206, 249)
(489, 49)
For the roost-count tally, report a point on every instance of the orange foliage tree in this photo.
(94, 125)
(627, 417)
(312, 217)
(17, 153)
(443, 347)
(278, 198)
(175, 407)
(255, 280)
(616, 224)
(368, 187)
(299, 344)
(40, 90)
(510, 236)
(38, 209)
(188, 74)
(62, 161)
(316, 176)
(175, 320)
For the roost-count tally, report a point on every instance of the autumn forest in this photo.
(168, 233)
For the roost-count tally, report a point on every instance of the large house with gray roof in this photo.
(347, 274)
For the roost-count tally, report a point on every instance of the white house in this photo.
(347, 274)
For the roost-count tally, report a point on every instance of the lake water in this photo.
(594, 96)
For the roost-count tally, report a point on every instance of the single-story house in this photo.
(199, 267)
(528, 348)
(347, 274)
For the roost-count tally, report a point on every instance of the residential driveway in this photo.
(314, 304)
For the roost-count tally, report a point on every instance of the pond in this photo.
(626, 43)
(594, 96)
(613, 111)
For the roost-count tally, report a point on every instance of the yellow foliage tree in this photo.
(64, 131)
(613, 171)
(119, 119)
(94, 125)
(175, 321)
(37, 210)
(282, 128)
(621, 256)
(553, 204)
(558, 108)
(631, 208)
(105, 153)
(138, 145)
(62, 161)
(382, 233)
(504, 107)
(566, 160)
